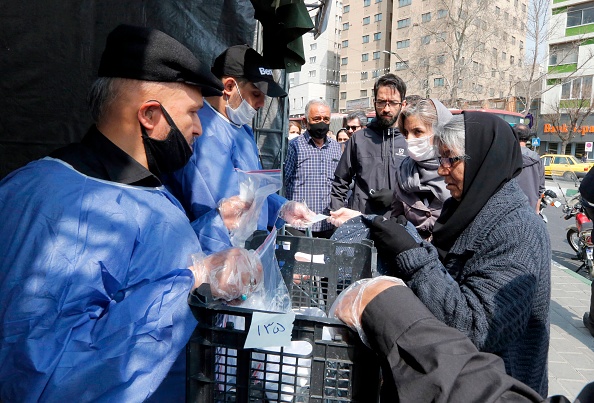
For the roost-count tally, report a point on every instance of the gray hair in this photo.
(360, 115)
(103, 92)
(424, 109)
(453, 136)
(311, 102)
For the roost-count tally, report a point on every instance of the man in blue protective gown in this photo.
(94, 275)
(207, 186)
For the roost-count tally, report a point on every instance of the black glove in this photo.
(381, 198)
(390, 236)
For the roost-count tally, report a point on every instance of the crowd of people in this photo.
(95, 278)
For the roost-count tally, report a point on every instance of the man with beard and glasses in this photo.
(310, 165)
(94, 276)
(208, 185)
(373, 155)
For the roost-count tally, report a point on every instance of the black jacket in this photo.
(371, 159)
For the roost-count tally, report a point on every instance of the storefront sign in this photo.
(548, 128)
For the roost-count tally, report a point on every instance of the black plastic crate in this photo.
(338, 368)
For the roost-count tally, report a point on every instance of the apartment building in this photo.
(567, 122)
(318, 77)
(467, 53)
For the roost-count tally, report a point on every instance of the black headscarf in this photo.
(494, 158)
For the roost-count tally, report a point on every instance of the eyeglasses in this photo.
(318, 119)
(353, 128)
(448, 162)
(382, 104)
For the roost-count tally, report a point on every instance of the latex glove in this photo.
(342, 215)
(382, 198)
(231, 210)
(296, 214)
(233, 273)
(351, 303)
(390, 237)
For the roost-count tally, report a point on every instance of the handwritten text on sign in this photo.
(270, 330)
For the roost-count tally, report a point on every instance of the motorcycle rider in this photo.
(587, 195)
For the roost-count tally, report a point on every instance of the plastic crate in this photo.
(320, 369)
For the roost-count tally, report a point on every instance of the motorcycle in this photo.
(547, 199)
(579, 235)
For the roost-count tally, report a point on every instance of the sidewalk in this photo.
(571, 350)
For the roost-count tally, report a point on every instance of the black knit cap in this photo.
(243, 61)
(150, 55)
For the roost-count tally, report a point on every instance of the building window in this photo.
(378, 1)
(376, 55)
(426, 17)
(440, 59)
(363, 93)
(425, 40)
(366, 3)
(365, 38)
(491, 92)
(313, 46)
(521, 45)
(344, 61)
(375, 74)
(312, 73)
(403, 23)
(563, 54)
(441, 36)
(343, 95)
(402, 3)
(377, 36)
(346, 9)
(423, 62)
(503, 55)
(343, 78)
(580, 88)
(497, 10)
(442, 13)
(523, 7)
(363, 75)
(366, 20)
(312, 60)
(401, 65)
(493, 71)
(345, 26)
(516, 3)
(403, 44)
(345, 43)
(438, 82)
(365, 57)
(377, 17)
(580, 17)
(513, 40)
(504, 36)
(511, 60)
(495, 52)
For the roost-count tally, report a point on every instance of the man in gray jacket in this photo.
(373, 155)
(531, 179)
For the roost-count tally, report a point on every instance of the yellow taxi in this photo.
(562, 164)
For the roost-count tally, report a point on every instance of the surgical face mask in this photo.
(318, 130)
(421, 149)
(169, 155)
(244, 113)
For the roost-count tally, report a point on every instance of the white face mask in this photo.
(421, 149)
(244, 113)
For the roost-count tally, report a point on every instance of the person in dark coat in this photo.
(531, 179)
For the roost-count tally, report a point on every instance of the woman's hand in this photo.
(342, 215)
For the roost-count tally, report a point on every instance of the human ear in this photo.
(149, 114)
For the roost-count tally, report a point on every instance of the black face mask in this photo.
(169, 155)
(318, 130)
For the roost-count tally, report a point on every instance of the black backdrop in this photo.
(50, 50)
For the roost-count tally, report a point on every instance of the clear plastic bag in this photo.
(254, 188)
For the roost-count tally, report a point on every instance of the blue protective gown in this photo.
(209, 177)
(93, 288)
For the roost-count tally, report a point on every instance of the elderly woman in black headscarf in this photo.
(487, 270)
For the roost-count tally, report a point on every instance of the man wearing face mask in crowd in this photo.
(94, 280)
(373, 154)
(208, 185)
(310, 164)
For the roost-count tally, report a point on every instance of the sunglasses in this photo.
(353, 128)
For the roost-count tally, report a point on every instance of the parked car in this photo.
(561, 164)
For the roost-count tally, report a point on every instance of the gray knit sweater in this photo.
(497, 286)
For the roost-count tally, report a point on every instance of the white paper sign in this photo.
(270, 330)
(316, 218)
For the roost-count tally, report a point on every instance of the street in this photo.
(557, 226)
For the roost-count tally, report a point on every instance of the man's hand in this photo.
(351, 303)
(342, 215)
(231, 210)
(232, 274)
(296, 214)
